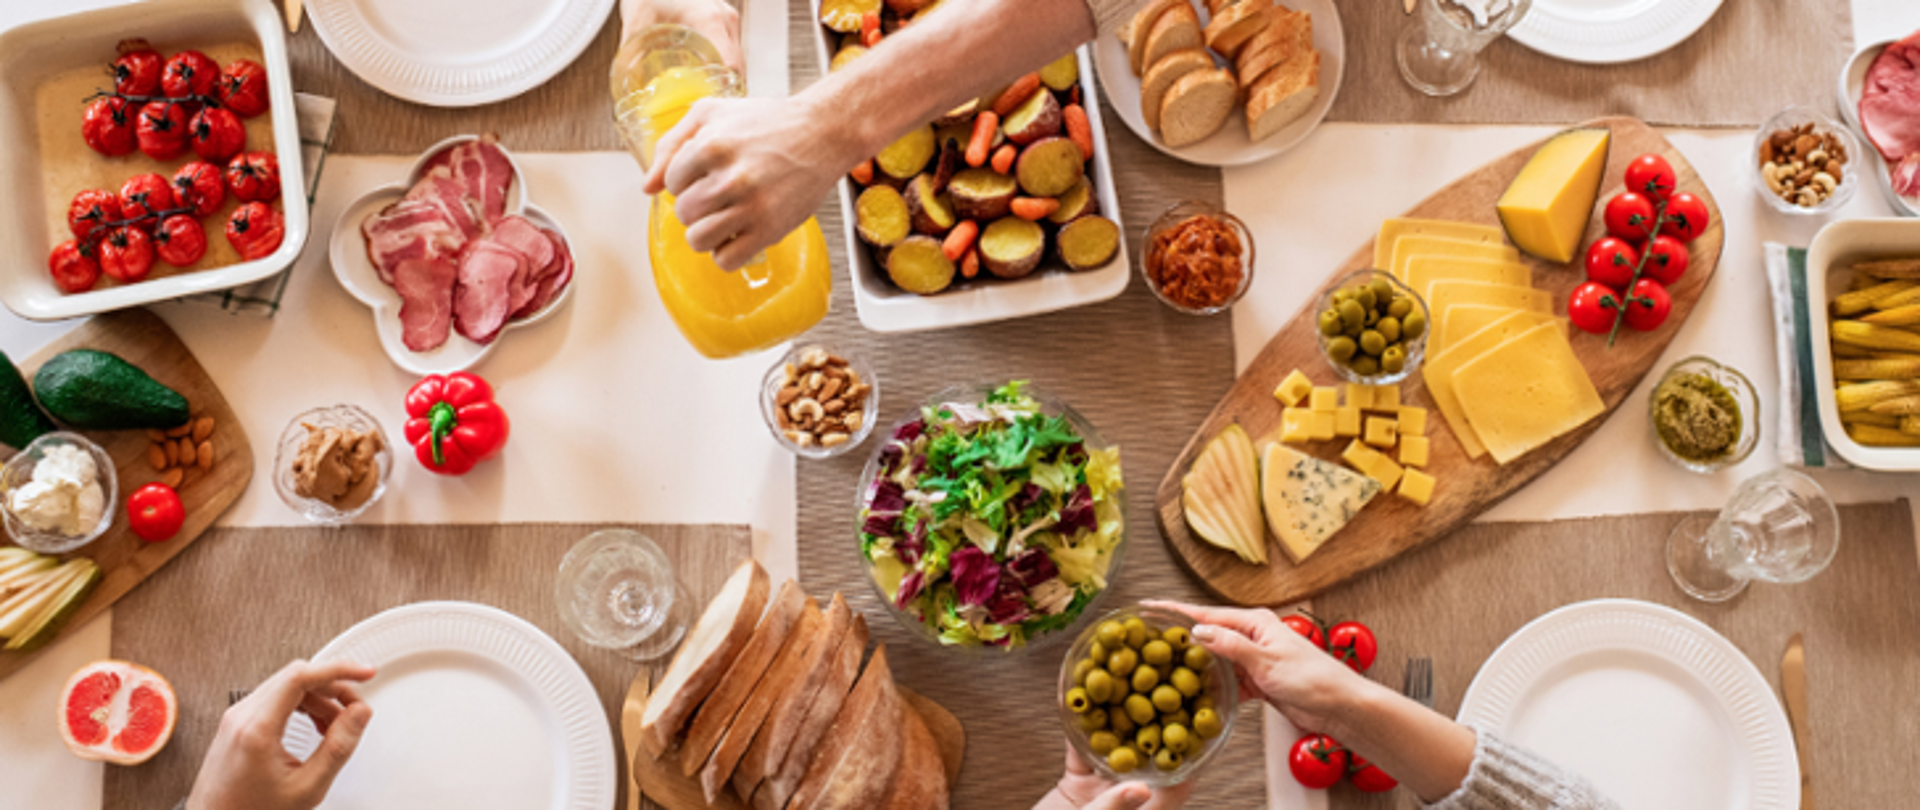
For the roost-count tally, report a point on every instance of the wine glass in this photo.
(1439, 52)
(1780, 526)
(617, 590)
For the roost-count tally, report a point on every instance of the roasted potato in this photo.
(1078, 202)
(1062, 74)
(1088, 242)
(917, 265)
(961, 116)
(1011, 247)
(932, 212)
(982, 194)
(1049, 167)
(881, 216)
(905, 158)
(1039, 117)
(844, 15)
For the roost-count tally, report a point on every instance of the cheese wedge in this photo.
(1438, 373)
(1309, 500)
(1526, 392)
(1410, 246)
(1461, 320)
(1422, 271)
(1546, 209)
(1392, 229)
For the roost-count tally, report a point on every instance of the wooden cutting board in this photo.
(1466, 487)
(141, 338)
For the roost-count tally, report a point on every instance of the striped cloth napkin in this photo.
(1799, 439)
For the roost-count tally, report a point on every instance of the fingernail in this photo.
(1136, 795)
(1204, 632)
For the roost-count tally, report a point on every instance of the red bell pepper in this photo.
(453, 422)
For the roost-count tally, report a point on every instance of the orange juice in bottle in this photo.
(782, 292)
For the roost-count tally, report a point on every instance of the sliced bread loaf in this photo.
(1283, 95)
(1141, 28)
(1288, 33)
(1177, 29)
(1160, 78)
(1197, 106)
(1230, 29)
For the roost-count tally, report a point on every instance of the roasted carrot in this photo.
(870, 37)
(960, 239)
(863, 173)
(1034, 208)
(1022, 89)
(1003, 158)
(984, 125)
(970, 266)
(1079, 129)
(869, 23)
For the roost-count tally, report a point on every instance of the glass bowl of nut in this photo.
(819, 402)
(1804, 162)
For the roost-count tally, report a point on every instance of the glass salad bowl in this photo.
(1184, 680)
(995, 573)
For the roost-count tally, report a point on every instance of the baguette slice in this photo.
(1288, 34)
(718, 711)
(778, 789)
(1283, 96)
(1230, 29)
(1214, 7)
(1197, 106)
(921, 783)
(855, 764)
(807, 632)
(783, 721)
(1178, 28)
(1139, 29)
(1161, 77)
(709, 649)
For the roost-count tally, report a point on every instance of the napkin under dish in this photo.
(1800, 440)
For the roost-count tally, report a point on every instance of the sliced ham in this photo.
(439, 190)
(426, 301)
(552, 280)
(482, 297)
(406, 231)
(1890, 101)
(483, 169)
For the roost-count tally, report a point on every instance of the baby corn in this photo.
(1861, 396)
(1862, 300)
(1875, 336)
(1902, 368)
(1883, 437)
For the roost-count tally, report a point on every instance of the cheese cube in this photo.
(1325, 398)
(1413, 421)
(1380, 432)
(1369, 461)
(1414, 450)
(1386, 472)
(1296, 425)
(1346, 421)
(1385, 398)
(1293, 389)
(1359, 396)
(1416, 486)
(1324, 426)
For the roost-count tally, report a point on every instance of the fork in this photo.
(1418, 684)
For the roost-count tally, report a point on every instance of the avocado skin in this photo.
(21, 420)
(94, 390)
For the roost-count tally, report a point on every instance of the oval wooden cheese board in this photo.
(1389, 525)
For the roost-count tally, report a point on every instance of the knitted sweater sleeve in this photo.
(1112, 15)
(1507, 777)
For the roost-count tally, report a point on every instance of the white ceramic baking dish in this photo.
(1829, 270)
(33, 53)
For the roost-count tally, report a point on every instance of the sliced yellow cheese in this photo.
(1438, 373)
(1451, 293)
(1440, 246)
(1423, 271)
(1526, 392)
(1461, 320)
(1545, 210)
(1392, 229)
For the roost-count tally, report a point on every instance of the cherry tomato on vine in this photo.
(1648, 318)
(127, 254)
(1610, 261)
(154, 512)
(243, 88)
(1368, 778)
(1354, 644)
(144, 195)
(1687, 217)
(1317, 761)
(1307, 627)
(1652, 176)
(1593, 307)
(1630, 216)
(1666, 260)
(90, 209)
(254, 176)
(189, 73)
(218, 134)
(163, 130)
(198, 185)
(137, 71)
(73, 266)
(180, 240)
(256, 230)
(107, 126)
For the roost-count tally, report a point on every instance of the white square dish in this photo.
(1829, 263)
(33, 53)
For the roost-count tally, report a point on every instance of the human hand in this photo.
(717, 20)
(247, 767)
(1273, 663)
(1082, 789)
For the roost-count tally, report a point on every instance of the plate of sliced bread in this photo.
(1224, 82)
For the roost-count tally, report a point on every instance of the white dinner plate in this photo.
(1608, 31)
(1230, 146)
(473, 708)
(1853, 82)
(457, 53)
(1653, 707)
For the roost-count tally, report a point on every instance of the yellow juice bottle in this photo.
(657, 77)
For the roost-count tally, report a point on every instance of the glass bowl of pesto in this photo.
(1705, 415)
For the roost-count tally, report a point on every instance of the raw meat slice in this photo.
(485, 171)
(482, 290)
(426, 295)
(1890, 100)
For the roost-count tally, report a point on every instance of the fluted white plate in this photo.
(1610, 31)
(473, 708)
(457, 53)
(1653, 707)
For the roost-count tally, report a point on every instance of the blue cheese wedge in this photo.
(1308, 500)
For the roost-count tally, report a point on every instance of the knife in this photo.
(293, 16)
(630, 714)
(1793, 684)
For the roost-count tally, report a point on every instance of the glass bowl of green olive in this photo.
(1142, 701)
(1373, 329)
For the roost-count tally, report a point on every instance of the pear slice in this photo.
(46, 624)
(22, 607)
(1221, 495)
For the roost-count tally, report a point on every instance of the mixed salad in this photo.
(991, 523)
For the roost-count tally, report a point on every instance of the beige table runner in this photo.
(1458, 600)
(242, 603)
(1751, 60)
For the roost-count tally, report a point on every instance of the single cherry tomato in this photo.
(127, 254)
(1307, 628)
(142, 197)
(108, 127)
(1610, 261)
(1630, 216)
(1666, 260)
(1593, 307)
(154, 512)
(73, 266)
(1651, 176)
(163, 129)
(1353, 643)
(1368, 778)
(180, 240)
(1687, 217)
(218, 134)
(254, 176)
(91, 209)
(137, 71)
(1317, 761)
(198, 185)
(189, 73)
(256, 230)
(1644, 316)
(243, 88)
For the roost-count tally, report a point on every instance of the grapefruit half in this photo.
(117, 712)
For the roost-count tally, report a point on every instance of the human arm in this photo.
(247, 767)
(1082, 789)
(717, 20)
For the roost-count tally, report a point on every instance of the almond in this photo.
(173, 477)
(156, 457)
(156, 435)
(204, 455)
(173, 453)
(182, 430)
(202, 428)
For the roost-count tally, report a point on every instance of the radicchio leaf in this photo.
(1009, 604)
(909, 431)
(1027, 497)
(910, 548)
(975, 575)
(1078, 513)
(910, 587)
(1031, 568)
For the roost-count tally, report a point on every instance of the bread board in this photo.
(141, 338)
(1390, 526)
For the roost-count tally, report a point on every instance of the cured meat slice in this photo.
(440, 190)
(481, 292)
(408, 230)
(483, 169)
(552, 280)
(1890, 101)
(426, 301)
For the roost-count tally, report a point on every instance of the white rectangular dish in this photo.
(31, 54)
(1829, 263)
(886, 308)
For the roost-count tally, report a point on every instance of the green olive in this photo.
(1198, 659)
(1365, 366)
(1136, 633)
(1080, 670)
(1382, 290)
(1366, 298)
(1103, 742)
(1145, 678)
(1157, 652)
(1400, 307)
(1179, 718)
(1121, 723)
(1340, 295)
(1094, 720)
(1122, 662)
(1330, 323)
(1206, 723)
(1110, 633)
(1372, 342)
(1176, 738)
(1147, 739)
(1140, 710)
(1097, 652)
(1178, 637)
(1202, 702)
(1168, 760)
(1389, 328)
(1341, 349)
(1186, 681)
(1394, 359)
(1165, 698)
(1099, 686)
(1351, 313)
(1123, 760)
(1413, 325)
(1077, 700)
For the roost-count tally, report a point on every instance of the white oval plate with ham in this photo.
(433, 244)
(1853, 80)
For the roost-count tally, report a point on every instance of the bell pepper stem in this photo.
(443, 420)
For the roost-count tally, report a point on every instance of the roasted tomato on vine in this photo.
(1593, 307)
(108, 126)
(1687, 217)
(198, 185)
(254, 176)
(1666, 260)
(137, 71)
(1353, 643)
(189, 73)
(218, 134)
(1630, 216)
(1368, 778)
(243, 88)
(92, 209)
(127, 254)
(1652, 176)
(1317, 761)
(1306, 627)
(73, 266)
(256, 230)
(1610, 261)
(163, 130)
(1640, 315)
(144, 195)
(180, 240)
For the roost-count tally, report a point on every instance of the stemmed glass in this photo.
(1780, 526)
(616, 589)
(1439, 52)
